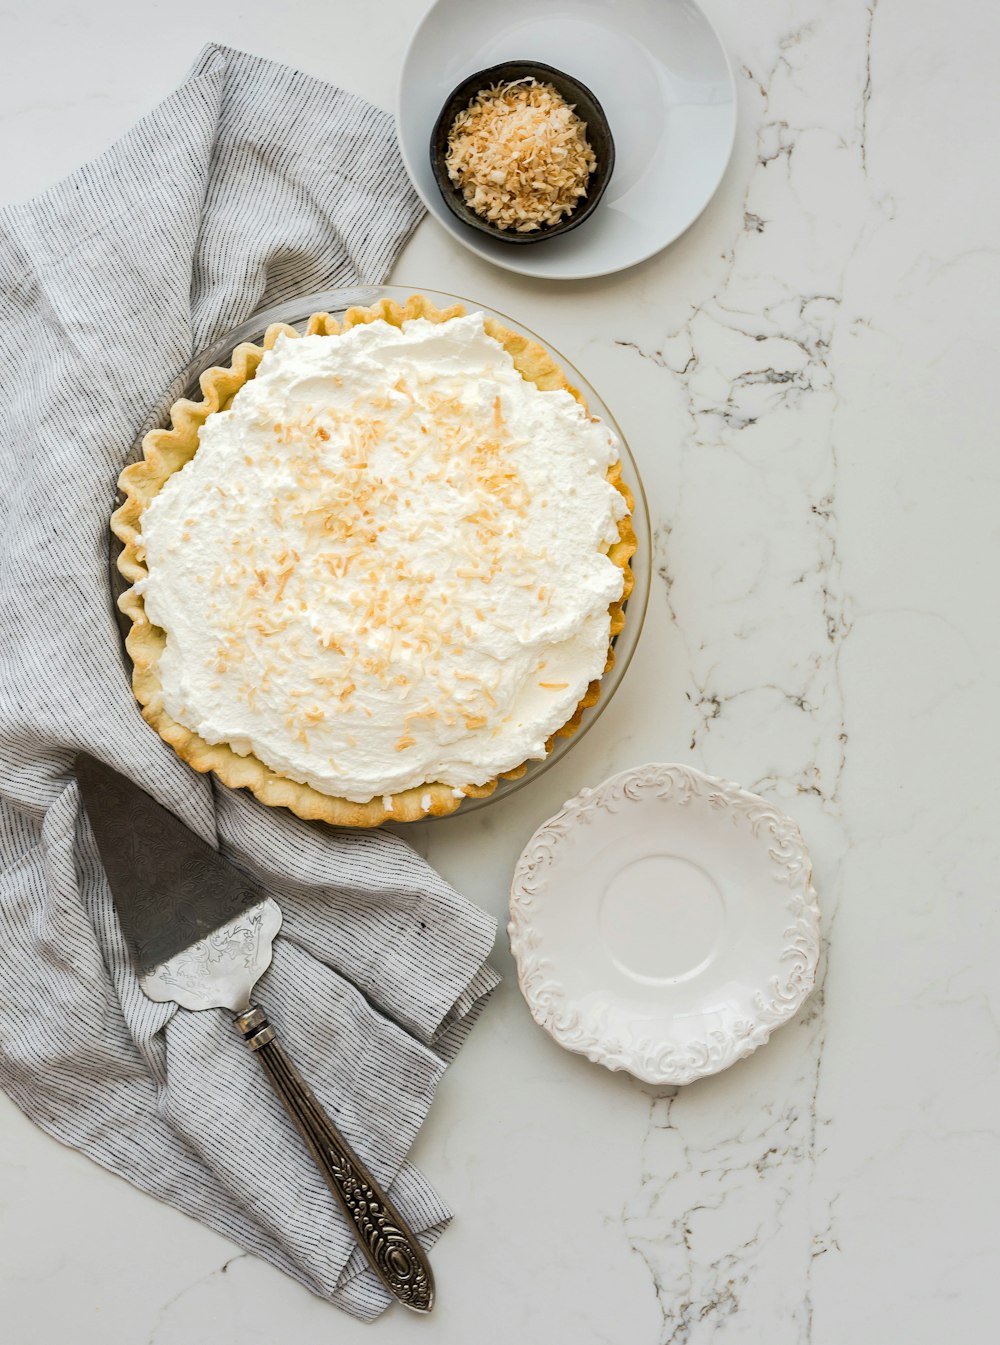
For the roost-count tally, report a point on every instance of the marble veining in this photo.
(806, 380)
(727, 1228)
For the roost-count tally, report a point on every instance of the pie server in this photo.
(201, 935)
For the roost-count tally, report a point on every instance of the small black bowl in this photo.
(588, 109)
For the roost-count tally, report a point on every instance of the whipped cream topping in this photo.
(386, 565)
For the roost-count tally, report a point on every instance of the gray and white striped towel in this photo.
(251, 184)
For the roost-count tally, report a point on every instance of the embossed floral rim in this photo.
(584, 1030)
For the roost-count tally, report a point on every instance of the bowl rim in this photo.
(481, 79)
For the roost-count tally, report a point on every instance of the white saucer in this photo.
(665, 923)
(662, 77)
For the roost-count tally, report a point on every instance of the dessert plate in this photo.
(296, 313)
(665, 923)
(663, 79)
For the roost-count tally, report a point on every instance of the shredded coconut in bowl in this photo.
(520, 155)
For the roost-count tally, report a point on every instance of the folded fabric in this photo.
(251, 184)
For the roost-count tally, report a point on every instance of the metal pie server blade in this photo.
(200, 934)
(170, 888)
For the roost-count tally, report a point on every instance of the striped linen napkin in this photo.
(250, 184)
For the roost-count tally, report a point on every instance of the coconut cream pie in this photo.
(378, 566)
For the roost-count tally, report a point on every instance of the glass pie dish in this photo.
(336, 302)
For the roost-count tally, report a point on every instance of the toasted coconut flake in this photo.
(520, 155)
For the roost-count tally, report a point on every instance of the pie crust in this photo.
(165, 451)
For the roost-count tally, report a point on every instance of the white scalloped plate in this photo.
(665, 923)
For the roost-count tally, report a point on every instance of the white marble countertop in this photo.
(806, 380)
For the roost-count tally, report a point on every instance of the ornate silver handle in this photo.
(391, 1248)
